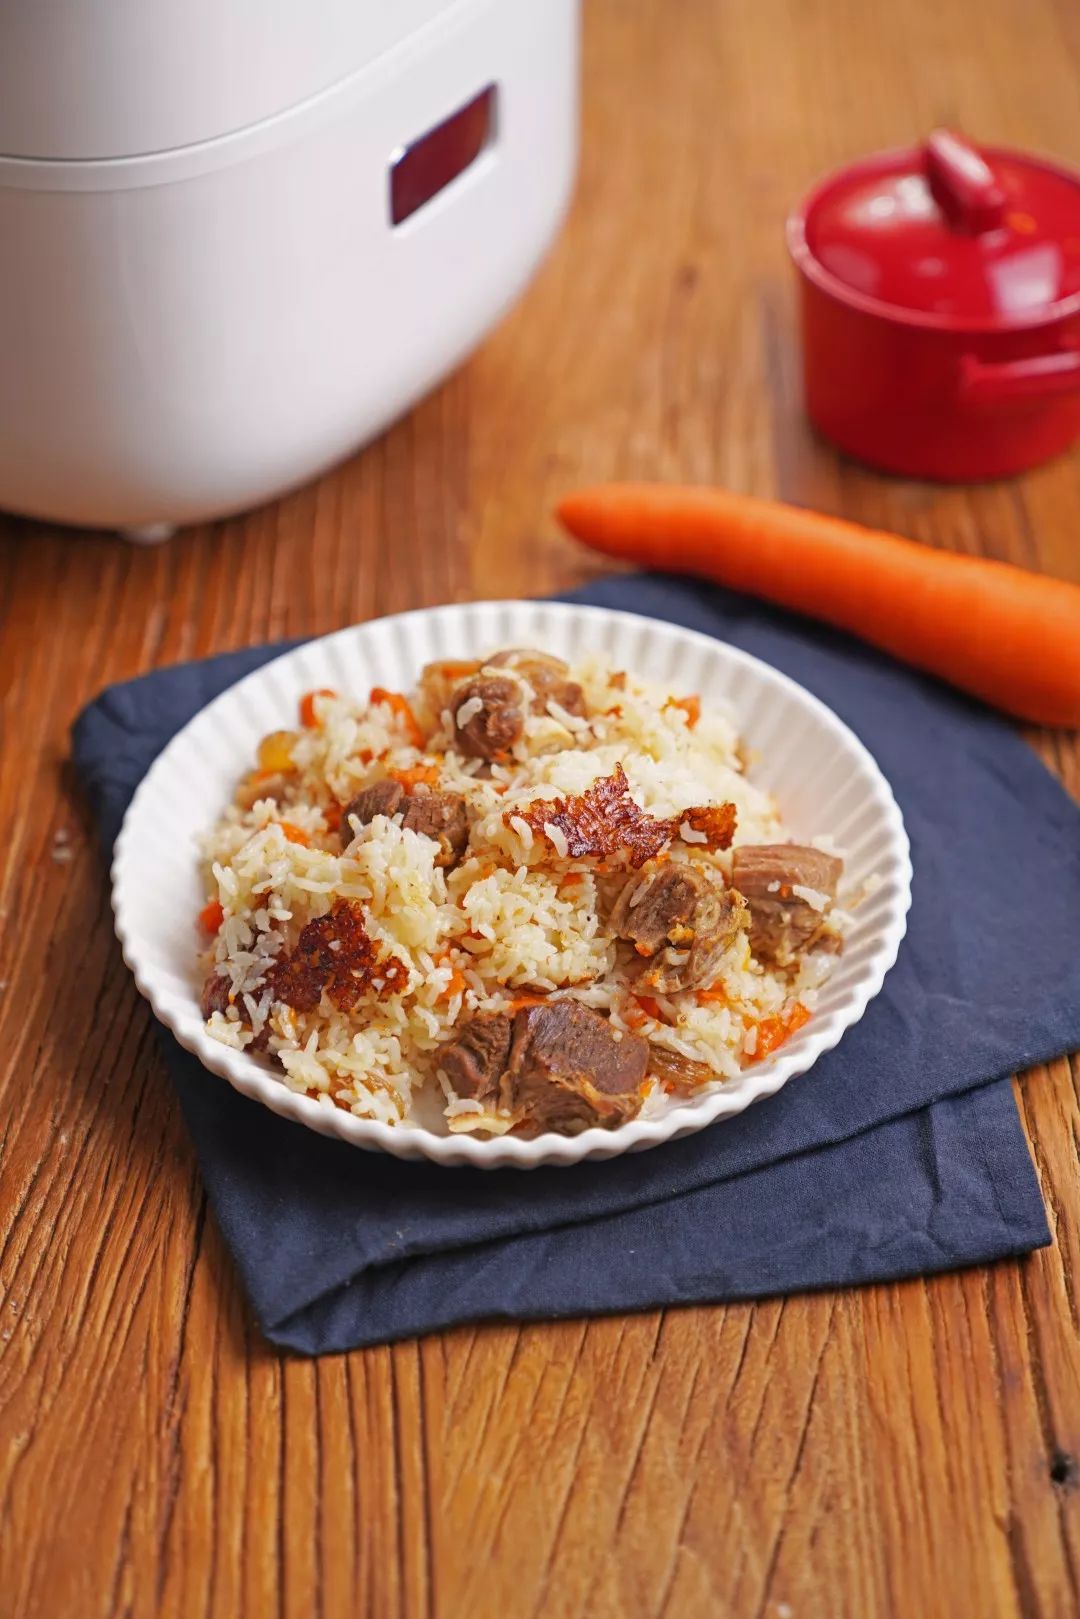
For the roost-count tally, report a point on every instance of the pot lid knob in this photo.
(963, 184)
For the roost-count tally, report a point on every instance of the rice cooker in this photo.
(240, 236)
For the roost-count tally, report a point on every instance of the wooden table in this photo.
(901, 1450)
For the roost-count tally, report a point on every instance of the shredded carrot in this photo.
(651, 1007)
(571, 879)
(294, 834)
(456, 981)
(211, 916)
(308, 717)
(712, 992)
(773, 1031)
(998, 631)
(411, 779)
(521, 1001)
(332, 816)
(691, 707)
(401, 706)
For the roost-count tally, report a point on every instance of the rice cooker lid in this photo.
(122, 78)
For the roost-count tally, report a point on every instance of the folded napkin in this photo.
(900, 1152)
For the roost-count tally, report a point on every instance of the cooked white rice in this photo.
(515, 916)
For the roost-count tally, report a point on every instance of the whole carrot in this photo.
(1003, 634)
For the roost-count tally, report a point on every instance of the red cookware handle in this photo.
(963, 184)
(1038, 377)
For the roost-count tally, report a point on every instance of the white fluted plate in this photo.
(822, 776)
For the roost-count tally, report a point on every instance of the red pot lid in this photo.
(946, 233)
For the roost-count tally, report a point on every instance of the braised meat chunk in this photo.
(475, 1060)
(546, 675)
(569, 1070)
(441, 816)
(557, 1067)
(681, 921)
(215, 994)
(790, 889)
(487, 717)
(658, 909)
(381, 798)
(438, 815)
(678, 1074)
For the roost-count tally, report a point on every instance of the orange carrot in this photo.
(691, 707)
(1003, 634)
(521, 1001)
(455, 983)
(773, 1031)
(294, 834)
(308, 717)
(211, 916)
(403, 709)
(713, 992)
(411, 779)
(332, 816)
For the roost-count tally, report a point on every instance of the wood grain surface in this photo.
(900, 1450)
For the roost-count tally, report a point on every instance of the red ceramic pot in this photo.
(940, 293)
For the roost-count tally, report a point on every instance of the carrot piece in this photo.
(456, 981)
(997, 631)
(211, 916)
(651, 1007)
(308, 717)
(332, 816)
(712, 992)
(521, 1001)
(773, 1031)
(691, 707)
(294, 834)
(402, 708)
(411, 779)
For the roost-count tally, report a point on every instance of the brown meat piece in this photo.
(677, 1073)
(496, 725)
(475, 1059)
(381, 798)
(436, 685)
(547, 677)
(215, 994)
(441, 816)
(682, 922)
(782, 923)
(570, 1070)
(557, 1066)
(659, 909)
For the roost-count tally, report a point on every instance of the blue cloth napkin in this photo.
(900, 1152)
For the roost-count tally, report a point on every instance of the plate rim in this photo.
(248, 1076)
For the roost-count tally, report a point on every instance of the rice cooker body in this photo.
(190, 332)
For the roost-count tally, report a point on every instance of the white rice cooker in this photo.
(238, 237)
